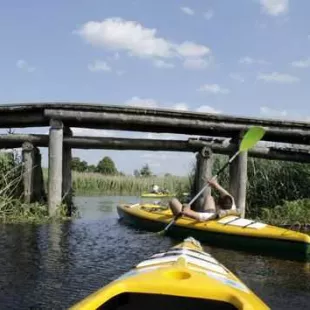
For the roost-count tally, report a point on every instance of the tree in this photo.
(91, 168)
(136, 173)
(145, 171)
(106, 166)
(78, 165)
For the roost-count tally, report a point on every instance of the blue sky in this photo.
(243, 57)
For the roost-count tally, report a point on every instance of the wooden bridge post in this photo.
(238, 177)
(39, 190)
(66, 173)
(28, 171)
(55, 166)
(203, 173)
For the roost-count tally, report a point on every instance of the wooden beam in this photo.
(39, 107)
(204, 164)
(19, 120)
(191, 145)
(181, 125)
(55, 157)
(28, 171)
(238, 177)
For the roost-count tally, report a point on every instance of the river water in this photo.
(52, 266)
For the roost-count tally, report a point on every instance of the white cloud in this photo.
(23, 65)
(99, 65)
(89, 132)
(213, 89)
(139, 102)
(272, 113)
(276, 77)
(187, 10)
(190, 49)
(196, 63)
(274, 7)
(301, 63)
(180, 106)
(118, 34)
(237, 77)
(120, 72)
(162, 64)
(207, 109)
(250, 61)
(208, 14)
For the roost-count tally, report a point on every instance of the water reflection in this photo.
(52, 266)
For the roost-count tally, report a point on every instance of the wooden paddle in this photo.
(251, 137)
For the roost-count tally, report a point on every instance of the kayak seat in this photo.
(135, 301)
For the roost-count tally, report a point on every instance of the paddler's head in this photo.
(225, 202)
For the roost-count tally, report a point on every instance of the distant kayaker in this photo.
(155, 189)
(211, 209)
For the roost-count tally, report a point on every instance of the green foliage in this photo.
(290, 213)
(136, 173)
(10, 175)
(145, 171)
(124, 185)
(78, 165)
(91, 168)
(106, 166)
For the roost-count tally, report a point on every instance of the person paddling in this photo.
(211, 209)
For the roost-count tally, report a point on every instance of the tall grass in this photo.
(270, 182)
(125, 185)
(12, 207)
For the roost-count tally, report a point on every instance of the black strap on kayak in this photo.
(252, 222)
(231, 221)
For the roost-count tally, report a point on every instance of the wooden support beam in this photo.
(55, 166)
(39, 190)
(238, 177)
(180, 125)
(203, 173)
(66, 173)
(18, 120)
(301, 155)
(28, 171)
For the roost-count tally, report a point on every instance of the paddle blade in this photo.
(252, 136)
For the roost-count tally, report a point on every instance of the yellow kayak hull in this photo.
(153, 195)
(229, 232)
(184, 277)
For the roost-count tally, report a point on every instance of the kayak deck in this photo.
(230, 231)
(184, 277)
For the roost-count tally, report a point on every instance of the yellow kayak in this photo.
(184, 277)
(154, 195)
(229, 232)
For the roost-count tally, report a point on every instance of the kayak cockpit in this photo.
(135, 301)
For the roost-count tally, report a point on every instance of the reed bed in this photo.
(12, 207)
(84, 183)
(278, 192)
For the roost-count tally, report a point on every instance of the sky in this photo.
(242, 57)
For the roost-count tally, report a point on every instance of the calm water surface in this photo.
(53, 266)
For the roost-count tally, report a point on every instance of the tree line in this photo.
(107, 166)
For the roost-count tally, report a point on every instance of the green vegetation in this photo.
(271, 183)
(278, 192)
(291, 213)
(90, 183)
(12, 207)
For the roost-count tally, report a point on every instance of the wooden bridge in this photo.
(214, 129)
